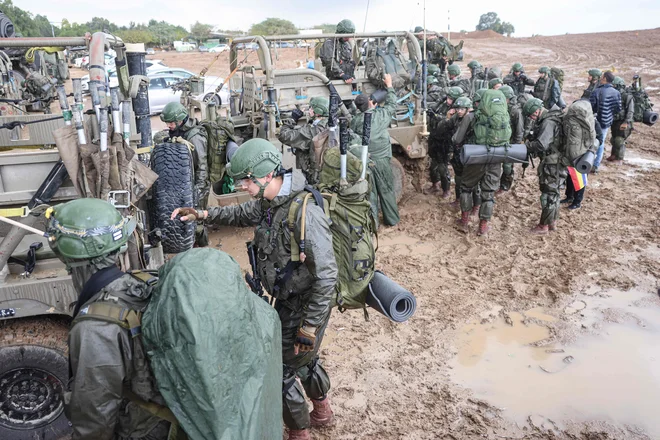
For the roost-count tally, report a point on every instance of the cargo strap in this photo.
(160, 411)
(112, 312)
(143, 150)
(134, 83)
(298, 246)
(95, 284)
(15, 212)
(181, 140)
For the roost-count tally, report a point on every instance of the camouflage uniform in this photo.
(519, 82)
(337, 58)
(517, 133)
(440, 148)
(301, 298)
(625, 116)
(464, 135)
(545, 143)
(435, 95)
(300, 138)
(463, 83)
(547, 90)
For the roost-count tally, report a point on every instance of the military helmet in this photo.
(454, 69)
(474, 64)
(255, 158)
(531, 106)
(478, 94)
(463, 102)
(618, 81)
(418, 29)
(320, 105)
(454, 92)
(432, 69)
(431, 80)
(596, 73)
(507, 91)
(544, 69)
(86, 228)
(517, 67)
(173, 112)
(345, 26)
(493, 82)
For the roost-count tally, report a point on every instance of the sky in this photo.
(544, 18)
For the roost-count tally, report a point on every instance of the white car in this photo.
(161, 93)
(111, 72)
(219, 48)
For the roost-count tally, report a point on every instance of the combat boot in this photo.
(475, 210)
(446, 194)
(611, 158)
(483, 227)
(433, 189)
(539, 230)
(322, 414)
(553, 225)
(568, 200)
(464, 221)
(456, 204)
(299, 434)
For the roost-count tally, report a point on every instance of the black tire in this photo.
(34, 371)
(174, 188)
(399, 178)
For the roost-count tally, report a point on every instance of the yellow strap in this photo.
(145, 277)
(143, 150)
(14, 212)
(105, 311)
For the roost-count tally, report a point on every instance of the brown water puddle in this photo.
(613, 377)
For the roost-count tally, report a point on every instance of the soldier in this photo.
(105, 358)
(302, 290)
(547, 88)
(455, 79)
(464, 134)
(175, 115)
(622, 126)
(434, 93)
(594, 79)
(517, 133)
(300, 137)
(517, 79)
(495, 83)
(380, 150)
(337, 54)
(476, 70)
(545, 143)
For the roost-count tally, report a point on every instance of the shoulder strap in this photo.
(95, 284)
(298, 245)
(108, 311)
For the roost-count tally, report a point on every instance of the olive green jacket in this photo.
(380, 146)
(464, 133)
(104, 359)
(517, 83)
(545, 141)
(196, 135)
(337, 58)
(627, 109)
(312, 284)
(517, 123)
(300, 139)
(463, 83)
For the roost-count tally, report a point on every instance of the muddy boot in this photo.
(446, 194)
(464, 221)
(456, 204)
(483, 227)
(539, 230)
(611, 158)
(475, 210)
(433, 189)
(299, 434)
(568, 200)
(500, 191)
(322, 414)
(553, 225)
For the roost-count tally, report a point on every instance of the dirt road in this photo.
(510, 321)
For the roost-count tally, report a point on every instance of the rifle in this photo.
(254, 280)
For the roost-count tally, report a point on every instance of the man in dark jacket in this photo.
(606, 104)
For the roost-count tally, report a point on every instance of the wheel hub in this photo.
(29, 398)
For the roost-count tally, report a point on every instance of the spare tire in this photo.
(6, 27)
(399, 175)
(174, 188)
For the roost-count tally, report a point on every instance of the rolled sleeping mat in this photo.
(379, 96)
(584, 163)
(390, 299)
(472, 154)
(650, 117)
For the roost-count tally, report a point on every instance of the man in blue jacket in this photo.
(606, 104)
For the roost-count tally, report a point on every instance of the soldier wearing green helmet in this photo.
(517, 133)
(337, 54)
(545, 143)
(434, 93)
(302, 290)
(89, 235)
(477, 79)
(622, 126)
(476, 99)
(464, 134)
(455, 79)
(495, 83)
(517, 79)
(547, 88)
(300, 137)
(594, 79)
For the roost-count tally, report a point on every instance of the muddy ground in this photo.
(579, 285)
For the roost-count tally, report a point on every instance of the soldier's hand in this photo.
(305, 339)
(450, 112)
(296, 114)
(623, 126)
(188, 214)
(387, 79)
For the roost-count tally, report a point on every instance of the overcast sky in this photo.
(528, 17)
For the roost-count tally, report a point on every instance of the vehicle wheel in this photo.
(174, 188)
(34, 371)
(215, 97)
(399, 177)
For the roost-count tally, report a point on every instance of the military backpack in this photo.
(218, 133)
(558, 74)
(579, 132)
(492, 124)
(641, 99)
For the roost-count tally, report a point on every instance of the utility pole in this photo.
(448, 28)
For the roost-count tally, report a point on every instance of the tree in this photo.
(490, 21)
(507, 29)
(136, 36)
(200, 32)
(274, 26)
(327, 28)
(23, 22)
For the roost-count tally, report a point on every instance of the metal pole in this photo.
(78, 110)
(424, 70)
(448, 28)
(366, 14)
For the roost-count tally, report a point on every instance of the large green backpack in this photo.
(492, 124)
(578, 130)
(218, 133)
(642, 101)
(558, 74)
(353, 227)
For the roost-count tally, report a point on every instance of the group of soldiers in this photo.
(535, 119)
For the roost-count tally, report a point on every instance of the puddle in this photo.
(405, 245)
(644, 164)
(613, 377)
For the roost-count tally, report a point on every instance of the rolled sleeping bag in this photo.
(390, 299)
(379, 96)
(650, 117)
(472, 154)
(584, 163)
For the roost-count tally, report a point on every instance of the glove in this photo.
(523, 77)
(305, 339)
(296, 114)
(191, 214)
